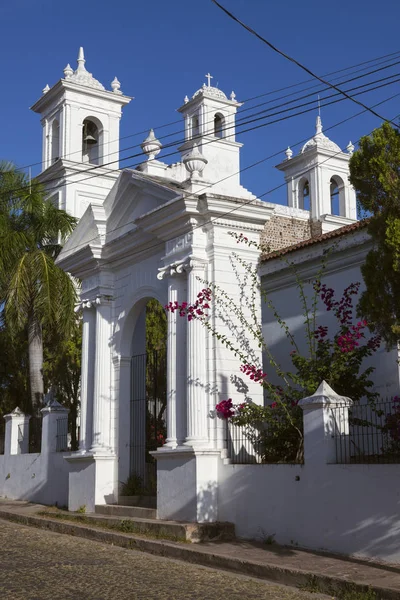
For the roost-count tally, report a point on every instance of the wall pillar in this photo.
(102, 377)
(87, 376)
(17, 433)
(325, 416)
(197, 395)
(176, 367)
(55, 427)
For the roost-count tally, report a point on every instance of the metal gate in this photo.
(148, 416)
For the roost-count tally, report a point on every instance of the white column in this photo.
(197, 400)
(176, 366)
(102, 377)
(87, 376)
(46, 146)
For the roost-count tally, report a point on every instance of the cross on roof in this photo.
(209, 77)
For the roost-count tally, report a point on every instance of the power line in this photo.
(259, 126)
(296, 62)
(249, 100)
(247, 202)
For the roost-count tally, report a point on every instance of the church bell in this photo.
(89, 139)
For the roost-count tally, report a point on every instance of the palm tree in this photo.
(34, 291)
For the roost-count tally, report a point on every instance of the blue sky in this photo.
(160, 51)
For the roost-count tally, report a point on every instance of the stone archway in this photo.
(148, 399)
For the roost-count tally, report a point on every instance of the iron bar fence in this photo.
(62, 434)
(148, 416)
(20, 437)
(263, 444)
(366, 433)
(35, 434)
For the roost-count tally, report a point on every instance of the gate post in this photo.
(16, 440)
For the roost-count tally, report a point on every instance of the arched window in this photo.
(195, 126)
(335, 197)
(304, 195)
(90, 142)
(55, 141)
(218, 125)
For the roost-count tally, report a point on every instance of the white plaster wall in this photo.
(351, 509)
(286, 299)
(41, 478)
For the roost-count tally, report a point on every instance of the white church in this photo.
(161, 230)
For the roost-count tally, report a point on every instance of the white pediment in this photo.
(133, 196)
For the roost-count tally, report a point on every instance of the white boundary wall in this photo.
(41, 478)
(351, 509)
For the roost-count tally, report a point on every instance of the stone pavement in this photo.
(329, 574)
(41, 565)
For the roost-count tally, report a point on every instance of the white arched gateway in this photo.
(153, 240)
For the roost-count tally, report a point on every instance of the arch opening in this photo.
(304, 196)
(55, 141)
(195, 126)
(336, 189)
(148, 401)
(219, 123)
(90, 142)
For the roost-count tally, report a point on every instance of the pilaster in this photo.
(176, 366)
(197, 395)
(102, 377)
(87, 375)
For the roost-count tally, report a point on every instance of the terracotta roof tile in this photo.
(321, 238)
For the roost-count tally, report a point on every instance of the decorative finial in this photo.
(350, 148)
(209, 77)
(289, 153)
(46, 88)
(319, 106)
(318, 125)
(81, 60)
(115, 86)
(151, 145)
(232, 96)
(195, 162)
(68, 71)
(186, 99)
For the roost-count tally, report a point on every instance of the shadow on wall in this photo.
(350, 509)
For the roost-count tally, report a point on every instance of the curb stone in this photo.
(292, 577)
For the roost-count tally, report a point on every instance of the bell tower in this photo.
(210, 131)
(80, 148)
(318, 181)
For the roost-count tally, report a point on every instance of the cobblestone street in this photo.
(40, 565)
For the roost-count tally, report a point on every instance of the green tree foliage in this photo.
(14, 371)
(375, 174)
(156, 326)
(34, 291)
(62, 372)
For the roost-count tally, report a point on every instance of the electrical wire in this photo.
(296, 62)
(162, 243)
(102, 168)
(259, 126)
(245, 109)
